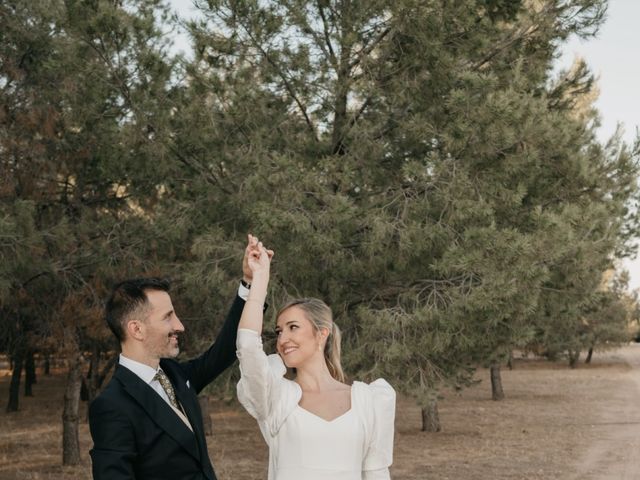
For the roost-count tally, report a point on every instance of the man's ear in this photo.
(135, 329)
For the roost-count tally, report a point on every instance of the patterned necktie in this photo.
(166, 384)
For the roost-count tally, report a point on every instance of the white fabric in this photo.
(147, 374)
(243, 292)
(355, 446)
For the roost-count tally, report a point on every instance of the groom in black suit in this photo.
(147, 423)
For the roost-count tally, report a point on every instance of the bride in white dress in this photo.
(316, 426)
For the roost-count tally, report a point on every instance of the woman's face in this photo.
(298, 340)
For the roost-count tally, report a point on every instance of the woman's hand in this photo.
(253, 251)
(260, 260)
(256, 264)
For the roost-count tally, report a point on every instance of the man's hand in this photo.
(252, 250)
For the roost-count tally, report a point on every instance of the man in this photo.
(147, 422)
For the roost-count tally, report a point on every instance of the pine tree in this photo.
(84, 83)
(406, 161)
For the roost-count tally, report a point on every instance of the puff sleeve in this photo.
(381, 417)
(262, 390)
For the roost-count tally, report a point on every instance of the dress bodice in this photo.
(358, 445)
(311, 447)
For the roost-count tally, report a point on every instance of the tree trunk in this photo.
(340, 118)
(552, 355)
(70, 415)
(589, 355)
(88, 388)
(510, 361)
(574, 356)
(430, 417)
(206, 414)
(497, 393)
(95, 373)
(111, 362)
(14, 387)
(47, 364)
(29, 374)
(342, 87)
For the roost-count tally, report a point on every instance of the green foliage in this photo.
(82, 84)
(412, 163)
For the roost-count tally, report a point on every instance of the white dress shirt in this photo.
(243, 292)
(147, 375)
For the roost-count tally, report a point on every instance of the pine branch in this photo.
(289, 87)
(196, 166)
(365, 51)
(327, 38)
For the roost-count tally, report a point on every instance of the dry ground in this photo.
(556, 423)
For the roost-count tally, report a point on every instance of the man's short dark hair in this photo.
(128, 296)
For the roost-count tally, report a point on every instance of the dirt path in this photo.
(615, 450)
(555, 424)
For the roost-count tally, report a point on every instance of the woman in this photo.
(317, 427)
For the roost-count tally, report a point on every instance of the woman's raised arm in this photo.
(259, 260)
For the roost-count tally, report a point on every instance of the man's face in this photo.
(161, 326)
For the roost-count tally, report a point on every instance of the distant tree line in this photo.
(415, 163)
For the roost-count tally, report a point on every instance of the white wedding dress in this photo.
(357, 445)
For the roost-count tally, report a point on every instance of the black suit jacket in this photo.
(136, 435)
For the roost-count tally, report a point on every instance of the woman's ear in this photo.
(323, 334)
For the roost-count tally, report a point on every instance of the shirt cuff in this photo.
(243, 292)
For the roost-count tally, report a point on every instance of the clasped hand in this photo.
(257, 258)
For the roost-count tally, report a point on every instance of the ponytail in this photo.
(332, 353)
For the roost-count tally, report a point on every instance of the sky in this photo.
(610, 55)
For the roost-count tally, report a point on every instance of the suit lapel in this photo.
(189, 401)
(158, 410)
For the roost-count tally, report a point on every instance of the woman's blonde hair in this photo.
(320, 316)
